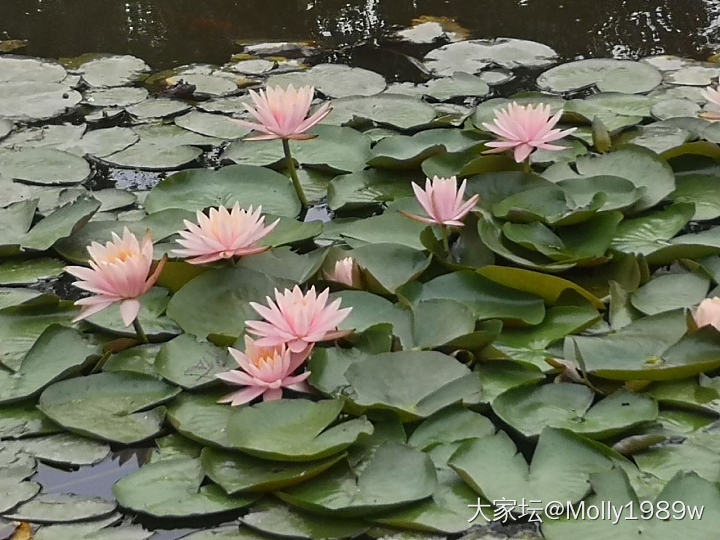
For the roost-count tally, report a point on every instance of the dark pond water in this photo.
(172, 32)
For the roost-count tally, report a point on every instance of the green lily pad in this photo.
(448, 426)
(231, 532)
(62, 508)
(687, 393)
(21, 68)
(62, 449)
(21, 326)
(43, 166)
(279, 520)
(652, 348)
(546, 286)
(666, 461)
(29, 271)
(559, 471)
(15, 467)
(104, 529)
(413, 384)
(404, 152)
(102, 142)
(16, 220)
(642, 167)
(390, 475)
(608, 75)
(197, 189)
(110, 406)
(670, 291)
(24, 420)
(201, 418)
(701, 190)
(113, 70)
(60, 224)
(153, 157)
(212, 125)
(236, 472)
(172, 488)
(403, 112)
(530, 344)
(58, 352)
(191, 364)
(284, 263)
(336, 149)
(474, 55)
(294, 430)
(170, 135)
(217, 302)
(614, 488)
(158, 108)
(529, 409)
(334, 80)
(367, 187)
(387, 228)
(32, 101)
(121, 96)
(499, 376)
(390, 265)
(459, 84)
(649, 233)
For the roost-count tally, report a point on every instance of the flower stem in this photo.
(526, 166)
(446, 238)
(293, 174)
(141, 335)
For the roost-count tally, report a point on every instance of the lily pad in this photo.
(191, 364)
(58, 352)
(403, 112)
(608, 75)
(43, 166)
(236, 472)
(153, 157)
(475, 55)
(122, 96)
(559, 471)
(63, 449)
(158, 108)
(701, 190)
(29, 271)
(390, 475)
(197, 189)
(201, 418)
(412, 384)
(22, 68)
(670, 291)
(212, 125)
(334, 80)
(104, 529)
(110, 406)
(60, 224)
(294, 430)
(113, 70)
(33, 101)
(24, 420)
(217, 302)
(61, 508)
(172, 488)
(278, 519)
(529, 409)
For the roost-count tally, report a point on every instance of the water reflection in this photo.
(171, 32)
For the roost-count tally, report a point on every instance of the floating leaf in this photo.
(197, 189)
(670, 291)
(606, 74)
(402, 112)
(294, 430)
(530, 408)
(172, 488)
(112, 70)
(109, 406)
(61, 508)
(191, 364)
(334, 80)
(236, 472)
(201, 418)
(43, 166)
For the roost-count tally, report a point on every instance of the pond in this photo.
(171, 32)
(545, 327)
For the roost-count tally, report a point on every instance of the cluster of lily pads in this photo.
(547, 349)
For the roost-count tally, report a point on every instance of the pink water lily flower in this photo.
(712, 113)
(264, 371)
(282, 113)
(345, 271)
(224, 235)
(708, 313)
(443, 202)
(524, 129)
(120, 272)
(298, 320)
